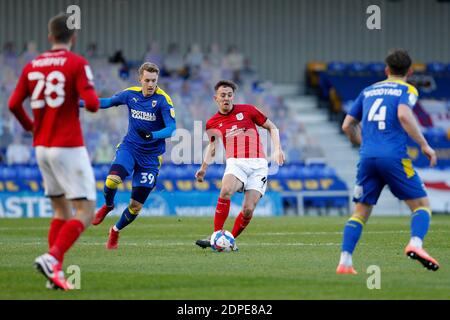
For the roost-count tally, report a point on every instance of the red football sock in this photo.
(240, 223)
(222, 210)
(68, 234)
(55, 226)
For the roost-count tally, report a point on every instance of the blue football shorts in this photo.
(374, 173)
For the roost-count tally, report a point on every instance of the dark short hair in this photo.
(399, 62)
(148, 66)
(226, 83)
(57, 27)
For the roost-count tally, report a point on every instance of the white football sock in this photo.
(416, 242)
(346, 259)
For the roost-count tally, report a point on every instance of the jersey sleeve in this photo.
(168, 114)
(356, 110)
(15, 103)
(85, 86)
(119, 98)
(210, 131)
(409, 97)
(258, 117)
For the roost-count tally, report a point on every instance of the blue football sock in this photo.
(126, 218)
(420, 222)
(109, 195)
(352, 233)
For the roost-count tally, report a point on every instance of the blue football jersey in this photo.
(376, 108)
(152, 113)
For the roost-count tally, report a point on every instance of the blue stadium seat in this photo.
(336, 66)
(435, 67)
(357, 66)
(376, 67)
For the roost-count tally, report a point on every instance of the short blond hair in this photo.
(149, 67)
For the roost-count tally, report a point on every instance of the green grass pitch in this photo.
(283, 258)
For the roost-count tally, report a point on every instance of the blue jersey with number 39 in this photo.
(376, 108)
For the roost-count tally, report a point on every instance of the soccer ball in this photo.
(222, 241)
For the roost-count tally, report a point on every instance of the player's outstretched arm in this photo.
(278, 154)
(105, 103)
(209, 156)
(409, 123)
(352, 129)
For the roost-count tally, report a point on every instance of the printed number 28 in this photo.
(147, 178)
(377, 113)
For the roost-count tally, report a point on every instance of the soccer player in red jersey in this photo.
(55, 81)
(246, 165)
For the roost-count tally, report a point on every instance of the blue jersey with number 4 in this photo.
(376, 108)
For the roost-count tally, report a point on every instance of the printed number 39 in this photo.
(147, 178)
(377, 113)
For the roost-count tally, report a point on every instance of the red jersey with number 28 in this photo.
(237, 129)
(55, 81)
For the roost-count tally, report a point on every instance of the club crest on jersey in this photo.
(358, 192)
(239, 116)
(154, 102)
(412, 99)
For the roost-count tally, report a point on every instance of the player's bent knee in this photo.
(135, 208)
(113, 181)
(226, 193)
(416, 204)
(247, 211)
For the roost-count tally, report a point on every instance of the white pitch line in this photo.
(172, 244)
(306, 233)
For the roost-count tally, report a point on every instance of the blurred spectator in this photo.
(118, 58)
(92, 137)
(154, 55)
(191, 96)
(5, 136)
(295, 153)
(194, 58)
(30, 53)
(174, 62)
(173, 84)
(17, 152)
(280, 109)
(248, 75)
(312, 149)
(234, 61)
(9, 56)
(104, 152)
(214, 56)
(91, 51)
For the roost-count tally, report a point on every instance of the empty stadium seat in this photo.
(357, 66)
(376, 67)
(436, 67)
(337, 66)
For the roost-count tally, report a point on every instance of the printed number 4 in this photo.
(147, 178)
(377, 113)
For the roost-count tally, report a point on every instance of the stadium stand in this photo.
(341, 83)
(305, 183)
